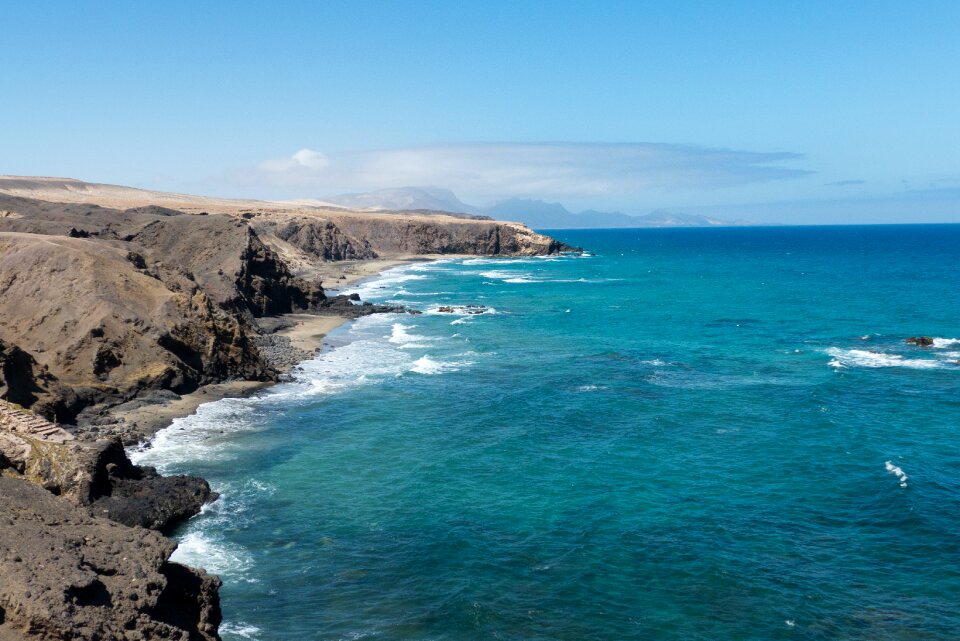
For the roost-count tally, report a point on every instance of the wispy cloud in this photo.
(846, 183)
(544, 170)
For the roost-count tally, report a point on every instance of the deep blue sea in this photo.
(690, 434)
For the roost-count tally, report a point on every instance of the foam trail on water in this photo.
(197, 549)
(843, 358)
(898, 472)
(390, 279)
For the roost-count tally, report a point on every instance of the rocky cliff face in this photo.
(25, 382)
(317, 237)
(92, 315)
(333, 236)
(69, 568)
(98, 475)
(69, 575)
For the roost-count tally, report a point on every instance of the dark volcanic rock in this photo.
(99, 475)
(344, 306)
(922, 341)
(448, 236)
(318, 237)
(26, 383)
(67, 576)
(228, 261)
(149, 500)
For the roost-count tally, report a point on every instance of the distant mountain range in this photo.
(534, 213)
(406, 199)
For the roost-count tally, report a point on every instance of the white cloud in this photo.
(541, 170)
(303, 162)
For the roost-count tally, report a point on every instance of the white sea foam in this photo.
(509, 261)
(460, 310)
(426, 365)
(898, 472)
(203, 435)
(843, 358)
(941, 343)
(404, 292)
(527, 278)
(240, 629)
(656, 362)
(431, 266)
(500, 274)
(400, 336)
(199, 549)
(388, 280)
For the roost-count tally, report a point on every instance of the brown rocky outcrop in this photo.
(95, 474)
(128, 294)
(318, 237)
(445, 235)
(108, 328)
(67, 575)
(228, 261)
(24, 382)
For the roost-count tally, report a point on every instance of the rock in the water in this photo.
(922, 341)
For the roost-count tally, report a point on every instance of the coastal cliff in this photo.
(110, 292)
(115, 298)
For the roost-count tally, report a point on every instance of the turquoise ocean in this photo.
(691, 434)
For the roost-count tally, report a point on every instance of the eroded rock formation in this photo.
(69, 575)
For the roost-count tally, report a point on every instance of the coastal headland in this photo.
(121, 309)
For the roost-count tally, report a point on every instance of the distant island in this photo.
(537, 214)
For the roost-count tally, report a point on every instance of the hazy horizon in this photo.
(800, 114)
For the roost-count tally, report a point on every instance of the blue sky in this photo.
(779, 111)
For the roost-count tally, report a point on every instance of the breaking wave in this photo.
(845, 358)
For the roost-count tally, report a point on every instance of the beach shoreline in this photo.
(304, 334)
